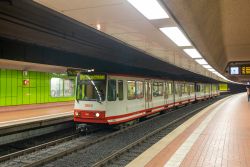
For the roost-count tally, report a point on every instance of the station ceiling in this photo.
(119, 19)
(218, 28)
(36, 34)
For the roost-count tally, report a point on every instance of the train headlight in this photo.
(97, 114)
(77, 113)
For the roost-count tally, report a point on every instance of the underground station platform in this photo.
(134, 83)
(26, 121)
(217, 136)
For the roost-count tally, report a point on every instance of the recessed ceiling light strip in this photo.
(151, 9)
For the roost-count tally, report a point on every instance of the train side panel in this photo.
(128, 98)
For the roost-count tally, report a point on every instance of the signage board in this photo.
(92, 77)
(245, 70)
(223, 87)
(234, 71)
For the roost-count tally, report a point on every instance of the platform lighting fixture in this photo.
(201, 61)
(98, 27)
(175, 34)
(193, 53)
(151, 9)
(207, 66)
(221, 76)
(212, 70)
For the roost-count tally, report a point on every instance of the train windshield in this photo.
(91, 87)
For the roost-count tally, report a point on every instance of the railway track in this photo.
(34, 156)
(148, 140)
(55, 150)
(39, 147)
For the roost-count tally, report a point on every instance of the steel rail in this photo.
(113, 156)
(38, 147)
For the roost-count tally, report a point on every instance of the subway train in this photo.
(114, 99)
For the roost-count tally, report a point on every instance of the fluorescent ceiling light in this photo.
(193, 53)
(151, 9)
(175, 34)
(201, 61)
(207, 66)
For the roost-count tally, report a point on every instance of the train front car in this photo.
(90, 98)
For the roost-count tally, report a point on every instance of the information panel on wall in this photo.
(241, 69)
(245, 70)
(234, 70)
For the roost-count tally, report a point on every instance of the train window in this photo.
(91, 90)
(112, 90)
(157, 89)
(120, 90)
(68, 87)
(56, 87)
(191, 89)
(198, 89)
(187, 89)
(166, 90)
(131, 90)
(183, 89)
(176, 89)
(207, 88)
(139, 89)
(201, 88)
(170, 89)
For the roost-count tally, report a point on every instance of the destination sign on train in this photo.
(92, 77)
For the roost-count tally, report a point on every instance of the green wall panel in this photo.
(8, 101)
(19, 95)
(14, 92)
(33, 96)
(14, 87)
(2, 101)
(3, 87)
(8, 87)
(26, 96)
(13, 100)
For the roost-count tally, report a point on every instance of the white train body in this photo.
(113, 99)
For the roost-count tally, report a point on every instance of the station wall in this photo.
(30, 87)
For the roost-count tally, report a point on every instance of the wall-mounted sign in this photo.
(245, 70)
(234, 71)
(241, 69)
(223, 87)
(26, 82)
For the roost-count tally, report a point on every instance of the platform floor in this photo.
(27, 113)
(218, 136)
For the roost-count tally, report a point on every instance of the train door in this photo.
(166, 93)
(115, 98)
(120, 103)
(170, 92)
(148, 94)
